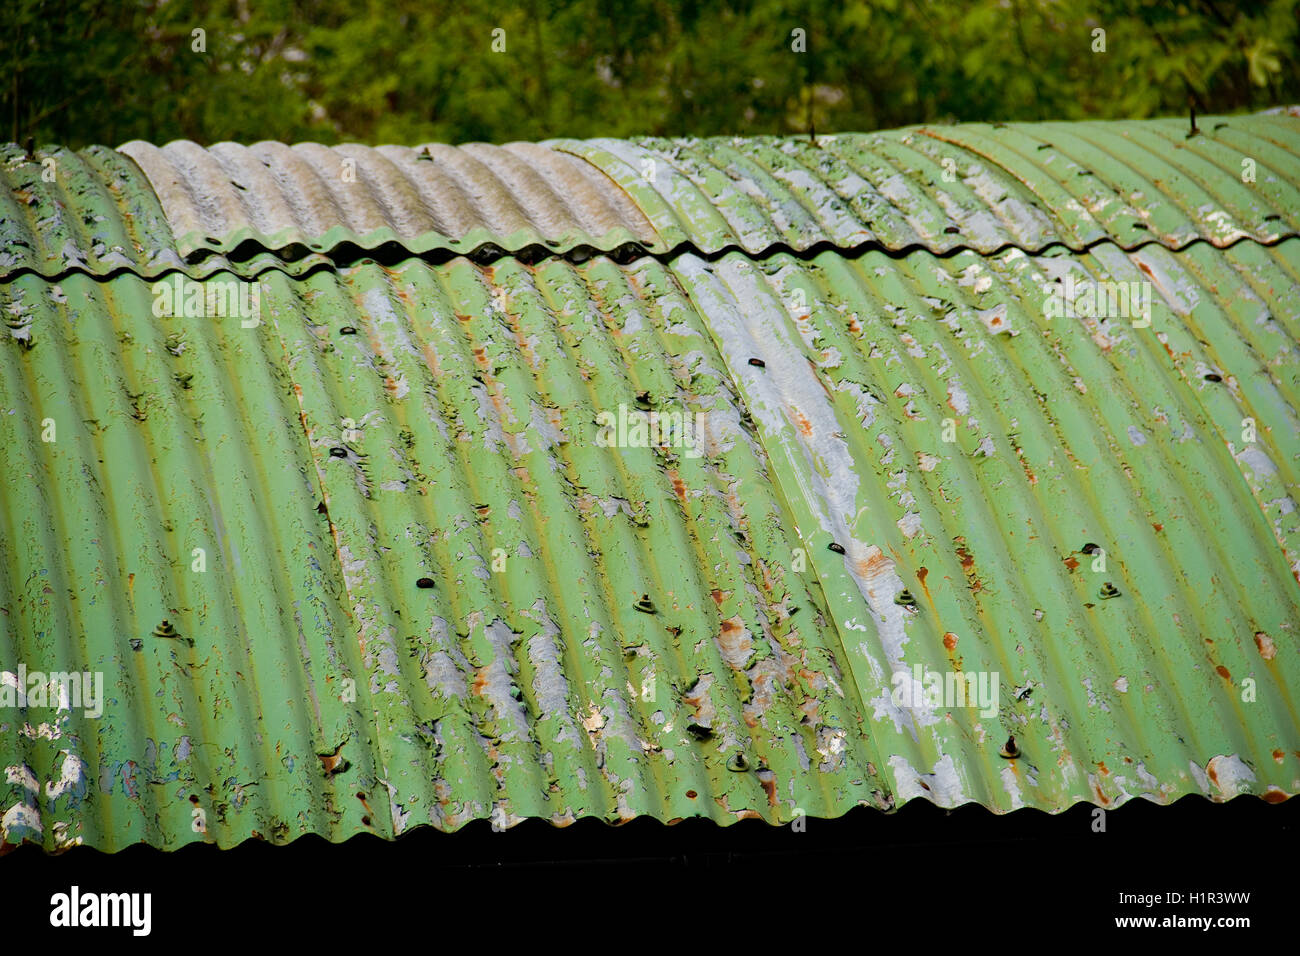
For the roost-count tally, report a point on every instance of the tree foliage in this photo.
(409, 71)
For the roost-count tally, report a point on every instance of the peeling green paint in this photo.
(364, 559)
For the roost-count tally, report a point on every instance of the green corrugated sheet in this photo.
(430, 595)
(970, 186)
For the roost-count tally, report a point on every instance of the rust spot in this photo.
(1071, 562)
(462, 318)
(855, 326)
(734, 640)
(1158, 526)
(1146, 268)
(921, 574)
(1102, 764)
(333, 763)
(691, 794)
(1213, 774)
(1029, 472)
(717, 599)
(679, 487)
(874, 565)
(769, 784)
(1267, 649)
(1274, 795)
(801, 421)
(950, 640)
(1278, 755)
(480, 357)
(967, 564)
(1223, 672)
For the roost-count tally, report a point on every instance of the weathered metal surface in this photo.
(326, 472)
(308, 207)
(1169, 670)
(426, 593)
(91, 211)
(310, 199)
(969, 186)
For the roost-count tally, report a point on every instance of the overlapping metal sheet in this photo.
(971, 186)
(91, 211)
(304, 199)
(406, 580)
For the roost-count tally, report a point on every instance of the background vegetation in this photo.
(409, 71)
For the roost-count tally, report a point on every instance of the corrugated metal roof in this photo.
(1069, 435)
(970, 186)
(310, 198)
(96, 214)
(907, 464)
(270, 206)
(975, 186)
(527, 677)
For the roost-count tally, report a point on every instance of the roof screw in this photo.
(904, 597)
(1009, 749)
(836, 547)
(643, 401)
(1108, 591)
(166, 630)
(645, 605)
(424, 583)
(737, 763)
(757, 363)
(338, 452)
